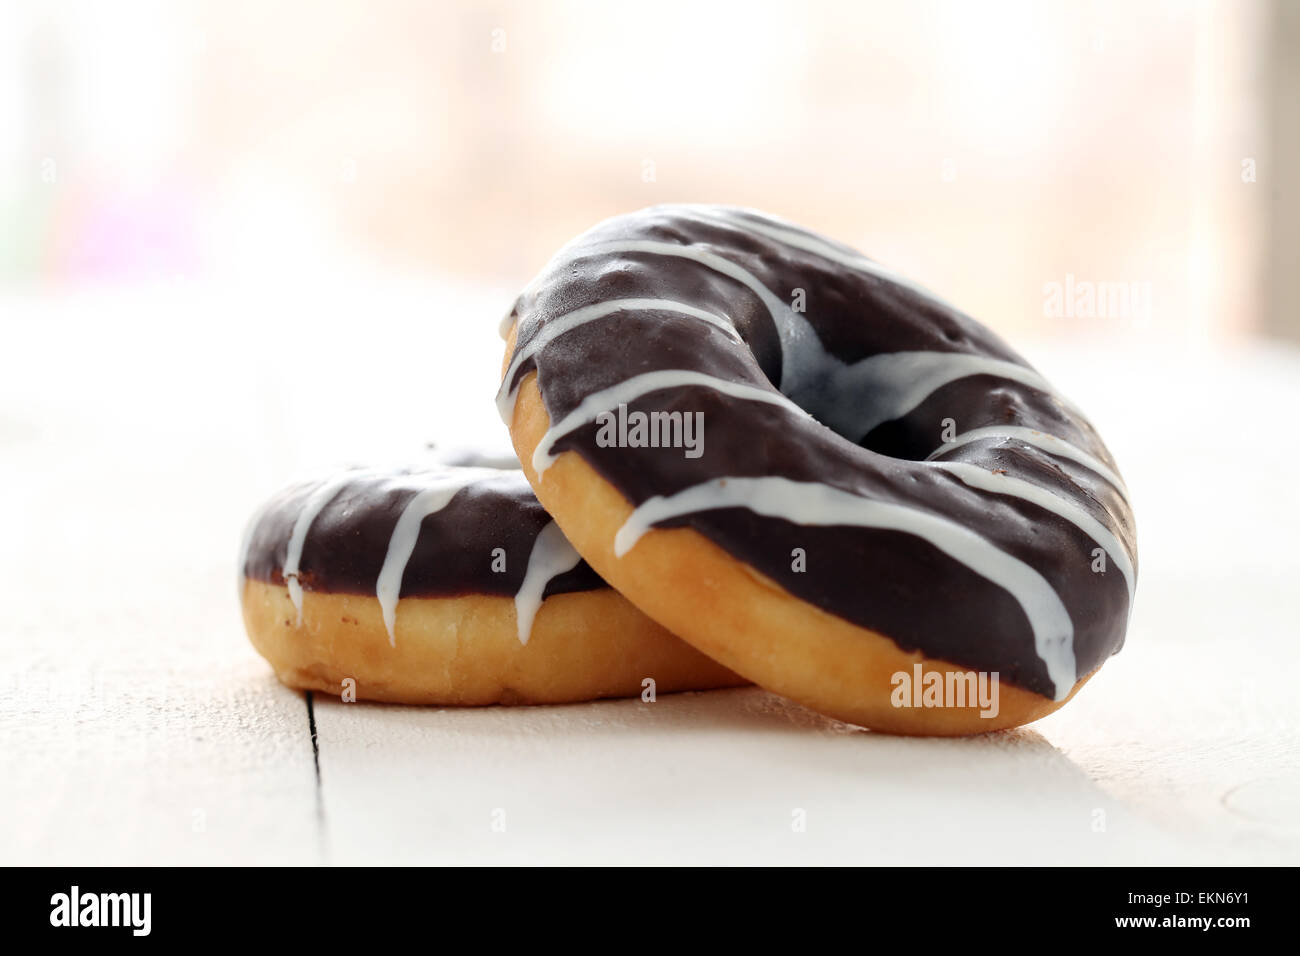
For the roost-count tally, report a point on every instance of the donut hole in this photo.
(898, 439)
(840, 405)
(962, 405)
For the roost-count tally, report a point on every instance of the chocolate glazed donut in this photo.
(862, 486)
(444, 585)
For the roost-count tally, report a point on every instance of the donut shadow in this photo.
(726, 776)
(747, 710)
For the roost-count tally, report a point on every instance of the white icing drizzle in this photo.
(792, 236)
(430, 500)
(814, 503)
(985, 480)
(1032, 436)
(629, 390)
(803, 358)
(312, 507)
(579, 317)
(852, 399)
(817, 381)
(849, 379)
(552, 556)
(889, 385)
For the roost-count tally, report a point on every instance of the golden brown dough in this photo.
(672, 574)
(464, 650)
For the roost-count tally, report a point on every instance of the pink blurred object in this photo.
(108, 235)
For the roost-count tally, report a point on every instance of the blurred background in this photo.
(990, 149)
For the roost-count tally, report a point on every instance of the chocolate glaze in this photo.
(348, 541)
(889, 581)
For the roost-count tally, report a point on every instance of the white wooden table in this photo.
(137, 431)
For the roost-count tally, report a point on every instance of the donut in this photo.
(817, 472)
(444, 585)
